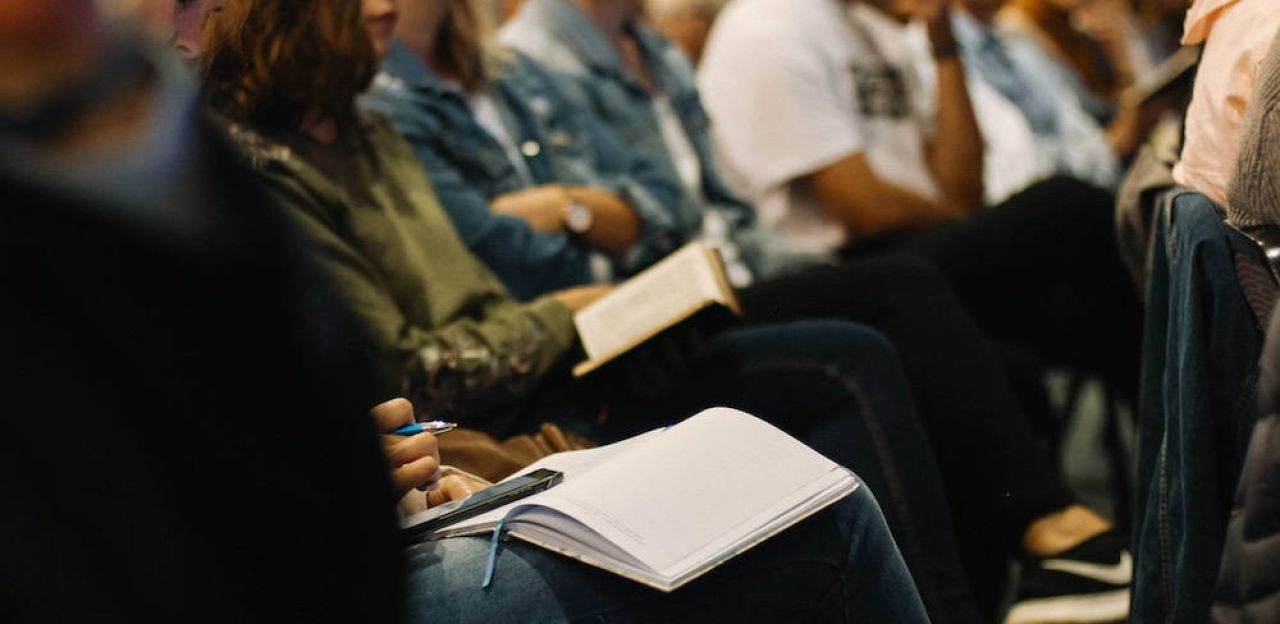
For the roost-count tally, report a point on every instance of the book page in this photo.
(667, 506)
(655, 299)
(574, 465)
(714, 478)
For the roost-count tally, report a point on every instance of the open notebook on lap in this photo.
(665, 507)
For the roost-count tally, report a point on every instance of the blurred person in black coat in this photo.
(183, 429)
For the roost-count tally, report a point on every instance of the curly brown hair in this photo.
(270, 62)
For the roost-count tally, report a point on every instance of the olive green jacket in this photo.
(448, 333)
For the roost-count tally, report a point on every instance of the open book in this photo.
(685, 284)
(665, 507)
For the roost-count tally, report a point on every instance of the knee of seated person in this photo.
(841, 347)
(848, 345)
(1084, 193)
(913, 274)
(1060, 183)
(863, 503)
(860, 513)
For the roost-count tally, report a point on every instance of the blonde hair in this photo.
(467, 44)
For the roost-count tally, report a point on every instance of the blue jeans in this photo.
(838, 387)
(1196, 409)
(840, 565)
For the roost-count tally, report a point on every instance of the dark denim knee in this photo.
(817, 344)
(856, 349)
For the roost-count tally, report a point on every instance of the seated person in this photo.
(850, 538)
(1091, 37)
(219, 465)
(228, 472)
(440, 320)
(1219, 281)
(1253, 199)
(685, 22)
(1241, 593)
(1067, 139)
(1236, 36)
(872, 166)
(574, 173)
(618, 84)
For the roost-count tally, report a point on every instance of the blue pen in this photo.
(434, 427)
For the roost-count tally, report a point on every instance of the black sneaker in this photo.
(1088, 583)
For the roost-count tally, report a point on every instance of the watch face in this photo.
(579, 218)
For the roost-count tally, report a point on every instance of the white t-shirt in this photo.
(715, 231)
(683, 155)
(1011, 156)
(795, 85)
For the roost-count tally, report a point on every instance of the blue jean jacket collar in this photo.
(441, 110)
(402, 65)
(573, 28)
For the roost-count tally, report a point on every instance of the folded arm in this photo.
(530, 260)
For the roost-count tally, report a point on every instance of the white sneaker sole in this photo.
(1112, 606)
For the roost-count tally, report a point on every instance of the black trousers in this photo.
(1041, 273)
(997, 474)
(1037, 274)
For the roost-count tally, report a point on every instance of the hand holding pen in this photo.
(433, 427)
(414, 459)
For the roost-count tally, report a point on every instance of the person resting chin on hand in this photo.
(419, 479)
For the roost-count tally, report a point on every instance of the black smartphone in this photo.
(488, 499)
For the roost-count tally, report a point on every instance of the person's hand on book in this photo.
(578, 298)
(414, 460)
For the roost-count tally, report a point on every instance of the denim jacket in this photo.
(1196, 409)
(565, 41)
(469, 168)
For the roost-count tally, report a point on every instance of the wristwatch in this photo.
(578, 218)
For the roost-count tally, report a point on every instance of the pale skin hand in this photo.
(615, 226)
(415, 460)
(578, 298)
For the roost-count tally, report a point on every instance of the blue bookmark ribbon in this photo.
(492, 565)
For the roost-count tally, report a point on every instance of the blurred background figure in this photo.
(188, 19)
(1159, 28)
(153, 17)
(176, 22)
(131, 247)
(1028, 100)
(686, 22)
(1236, 36)
(1096, 38)
(507, 8)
